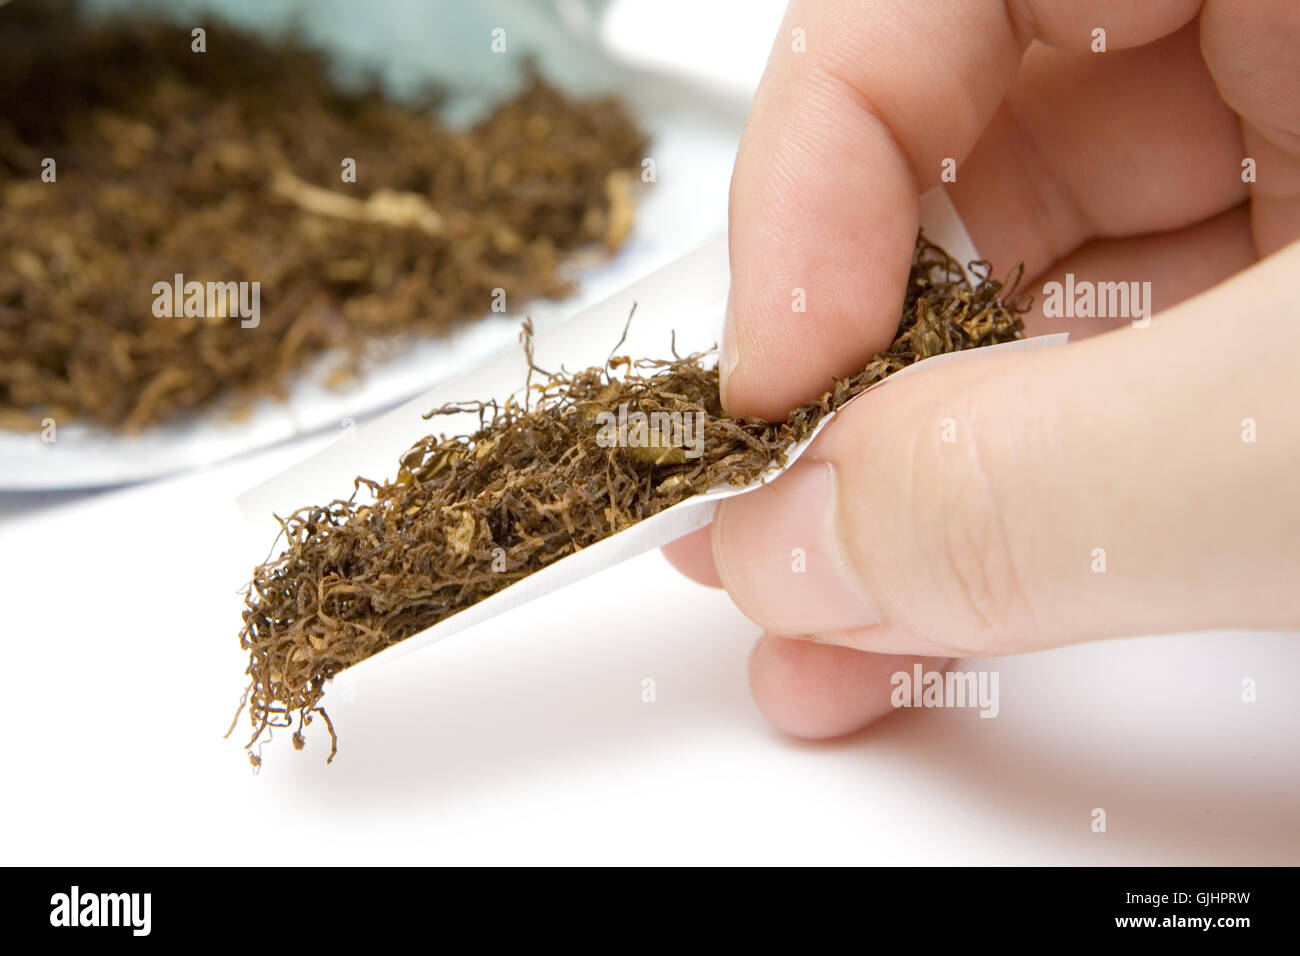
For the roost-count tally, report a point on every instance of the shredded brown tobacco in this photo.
(469, 515)
(226, 166)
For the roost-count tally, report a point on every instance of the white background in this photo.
(526, 739)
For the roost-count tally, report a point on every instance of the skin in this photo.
(1116, 166)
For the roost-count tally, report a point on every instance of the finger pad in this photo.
(692, 556)
(819, 691)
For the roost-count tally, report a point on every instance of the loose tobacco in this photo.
(226, 166)
(469, 515)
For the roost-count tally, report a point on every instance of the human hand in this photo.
(1139, 482)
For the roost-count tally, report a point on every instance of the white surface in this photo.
(719, 45)
(526, 738)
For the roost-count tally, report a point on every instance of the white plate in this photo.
(693, 139)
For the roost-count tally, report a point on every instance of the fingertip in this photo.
(777, 552)
(692, 556)
(823, 217)
(728, 355)
(821, 691)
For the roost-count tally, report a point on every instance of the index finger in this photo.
(860, 103)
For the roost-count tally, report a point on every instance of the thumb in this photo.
(1138, 482)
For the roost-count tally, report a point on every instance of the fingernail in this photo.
(778, 554)
(729, 355)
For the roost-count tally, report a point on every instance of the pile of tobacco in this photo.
(228, 166)
(468, 515)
